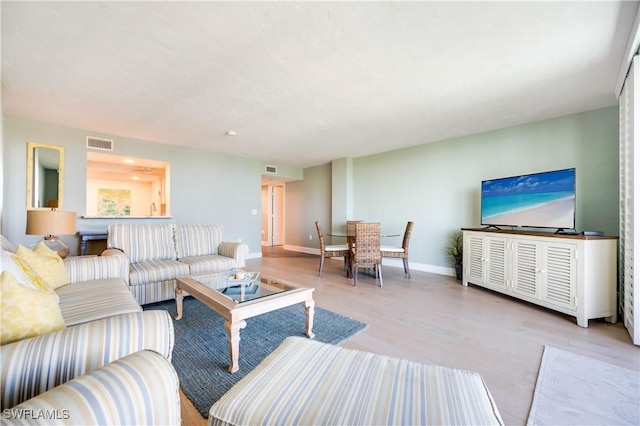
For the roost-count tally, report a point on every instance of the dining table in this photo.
(351, 242)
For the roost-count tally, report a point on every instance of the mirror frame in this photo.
(31, 149)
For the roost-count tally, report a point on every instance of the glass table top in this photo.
(248, 286)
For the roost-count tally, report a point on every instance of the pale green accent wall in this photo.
(306, 201)
(205, 187)
(341, 192)
(437, 185)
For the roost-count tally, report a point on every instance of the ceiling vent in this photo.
(99, 143)
(272, 170)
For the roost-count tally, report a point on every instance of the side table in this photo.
(89, 236)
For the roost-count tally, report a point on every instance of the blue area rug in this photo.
(201, 352)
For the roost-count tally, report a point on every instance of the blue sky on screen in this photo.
(559, 180)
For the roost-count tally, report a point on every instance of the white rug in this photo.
(576, 390)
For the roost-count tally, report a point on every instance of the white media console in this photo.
(572, 274)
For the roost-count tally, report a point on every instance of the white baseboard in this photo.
(257, 255)
(301, 249)
(423, 267)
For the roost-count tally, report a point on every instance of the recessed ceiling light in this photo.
(231, 133)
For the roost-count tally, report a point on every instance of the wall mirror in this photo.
(45, 176)
(119, 186)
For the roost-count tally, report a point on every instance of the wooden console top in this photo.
(543, 234)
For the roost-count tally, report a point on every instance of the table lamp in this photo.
(51, 223)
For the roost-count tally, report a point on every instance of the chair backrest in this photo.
(351, 227)
(407, 237)
(367, 243)
(320, 236)
(351, 232)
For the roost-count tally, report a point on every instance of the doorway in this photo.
(272, 215)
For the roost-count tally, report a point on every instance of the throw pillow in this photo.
(26, 312)
(22, 272)
(46, 263)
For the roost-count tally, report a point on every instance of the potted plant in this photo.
(453, 251)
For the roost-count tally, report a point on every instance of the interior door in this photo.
(277, 215)
(272, 215)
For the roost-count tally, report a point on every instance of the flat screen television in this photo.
(537, 200)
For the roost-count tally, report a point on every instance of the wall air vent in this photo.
(99, 143)
(272, 170)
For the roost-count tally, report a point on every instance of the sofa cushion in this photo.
(143, 242)
(92, 300)
(26, 312)
(6, 244)
(197, 240)
(46, 263)
(83, 268)
(22, 272)
(207, 264)
(155, 271)
(154, 292)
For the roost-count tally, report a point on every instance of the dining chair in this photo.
(365, 253)
(351, 240)
(339, 250)
(400, 252)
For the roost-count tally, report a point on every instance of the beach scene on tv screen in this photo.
(537, 200)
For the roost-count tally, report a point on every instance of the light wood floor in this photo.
(435, 320)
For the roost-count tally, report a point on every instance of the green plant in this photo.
(453, 250)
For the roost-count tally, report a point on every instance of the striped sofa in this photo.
(304, 382)
(159, 253)
(71, 374)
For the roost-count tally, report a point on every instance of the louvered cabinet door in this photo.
(496, 263)
(559, 275)
(474, 259)
(527, 270)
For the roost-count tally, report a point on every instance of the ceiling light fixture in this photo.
(231, 133)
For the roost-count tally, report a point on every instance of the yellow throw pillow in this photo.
(26, 312)
(46, 263)
(22, 272)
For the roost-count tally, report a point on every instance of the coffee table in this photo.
(238, 300)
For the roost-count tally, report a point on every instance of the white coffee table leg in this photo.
(309, 309)
(233, 336)
(179, 297)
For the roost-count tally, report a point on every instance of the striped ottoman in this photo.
(304, 382)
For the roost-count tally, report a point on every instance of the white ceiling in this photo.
(303, 83)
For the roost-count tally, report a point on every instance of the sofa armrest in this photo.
(32, 366)
(139, 389)
(87, 268)
(238, 251)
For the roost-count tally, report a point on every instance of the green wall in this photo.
(437, 185)
(306, 201)
(205, 187)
